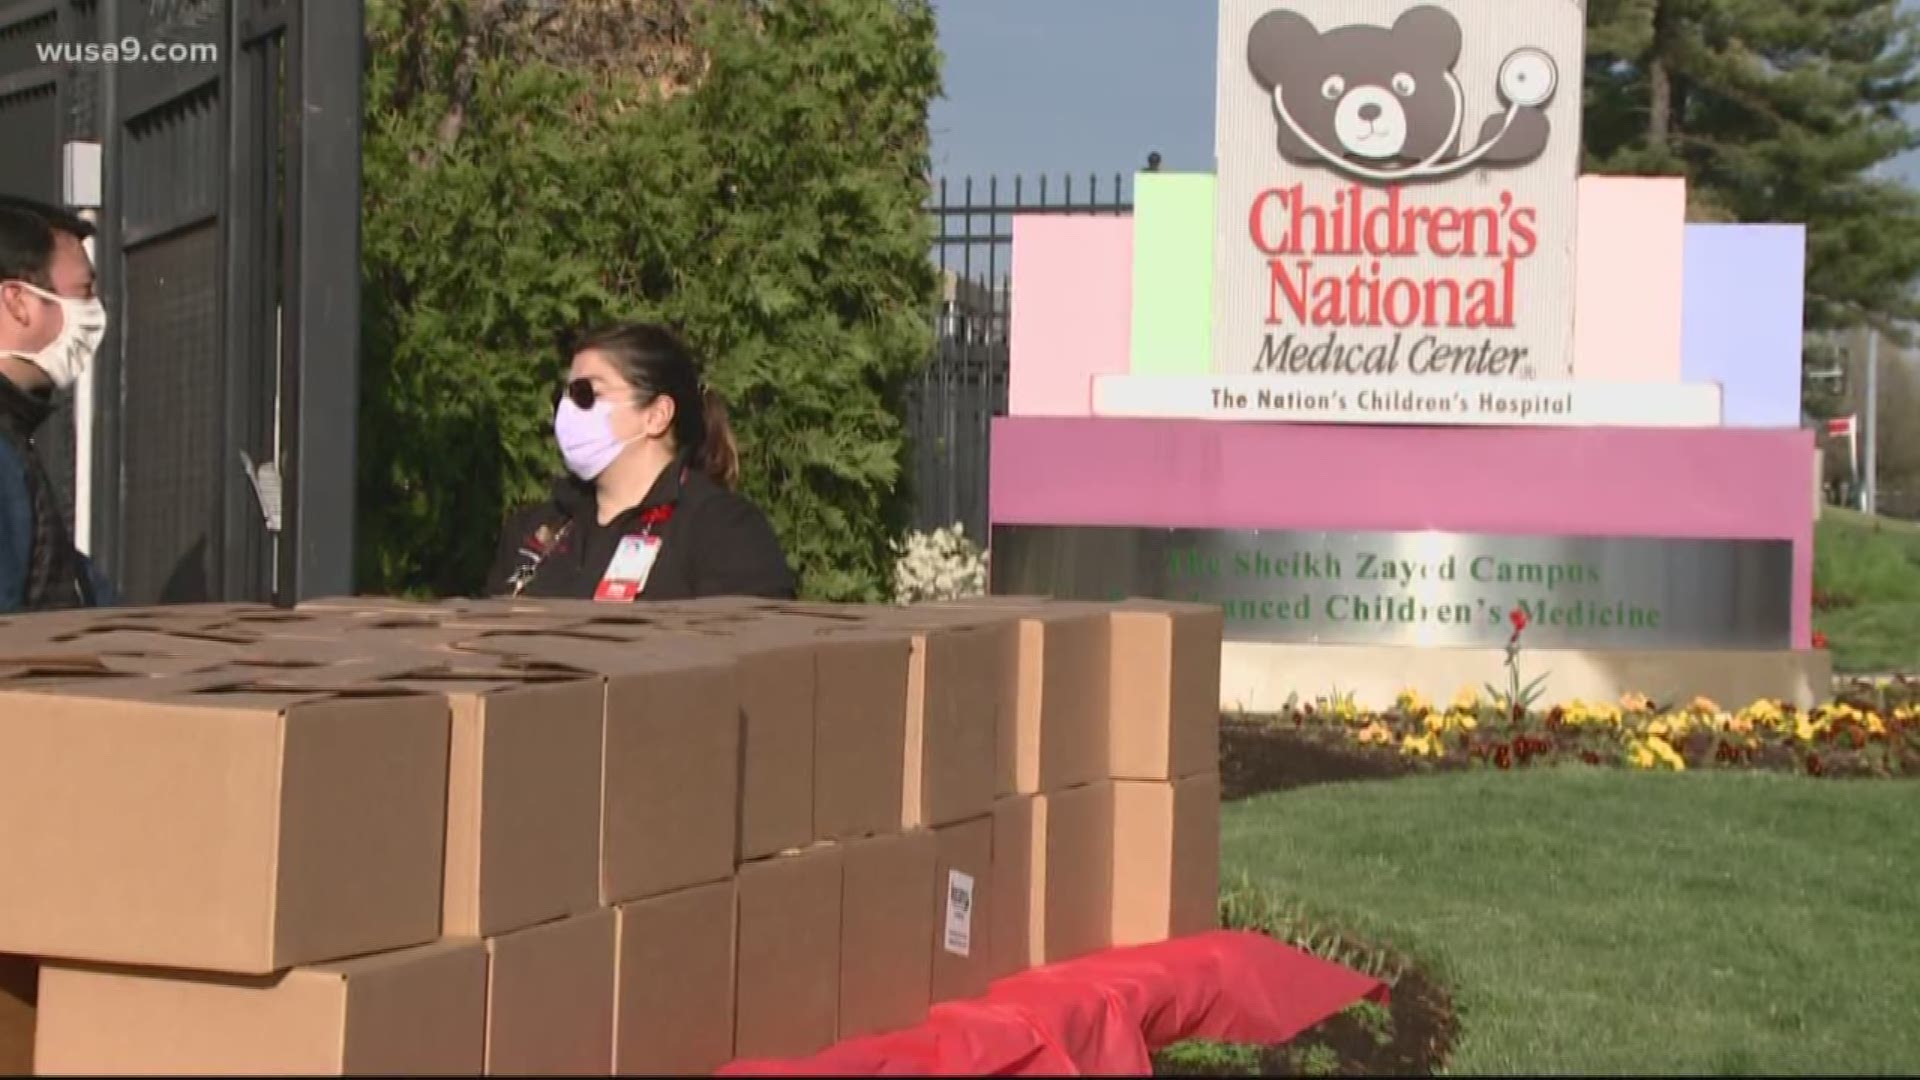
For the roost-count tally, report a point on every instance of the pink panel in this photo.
(1072, 310)
(1711, 483)
(1629, 279)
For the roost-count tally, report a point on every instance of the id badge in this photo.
(626, 575)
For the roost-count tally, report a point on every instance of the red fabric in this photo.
(1104, 1014)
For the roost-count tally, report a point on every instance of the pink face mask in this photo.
(586, 437)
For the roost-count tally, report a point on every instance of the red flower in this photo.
(1819, 640)
(1813, 765)
(1518, 617)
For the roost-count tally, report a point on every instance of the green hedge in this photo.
(773, 211)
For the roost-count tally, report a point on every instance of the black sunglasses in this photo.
(579, 391)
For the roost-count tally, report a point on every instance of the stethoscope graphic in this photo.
(1527, 80)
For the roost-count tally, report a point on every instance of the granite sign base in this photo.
(1258, 677)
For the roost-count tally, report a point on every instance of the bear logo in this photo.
(1384, 104)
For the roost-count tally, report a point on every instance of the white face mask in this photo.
(83, 324)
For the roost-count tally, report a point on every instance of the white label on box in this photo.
(959, 913)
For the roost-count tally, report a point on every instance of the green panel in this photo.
(1173, 227)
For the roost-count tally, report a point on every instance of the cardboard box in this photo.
(369, 636)
(954, 692)
(1079, 874)
(1059, 734)
(886, 969)
(115, 641)
(380, 604)
(778, 690)
(1166, 690)
(156, 665)
(788, 977)
(19, 990)
(18, 673)
(1016, 902)
(674, 1007)
(341, 665)
(416, 1012)
(202, 826)
(860, 734)
(961, 666)
(670, 816)
(550, 992)
(175, 614)
(1166, 866)
(574, 647)
(523, 801)
(963, 916)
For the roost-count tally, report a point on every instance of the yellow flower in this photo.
(1581, 713)
(1664, 750)
(1653, 752)
(1636, 703)
(1375, 733)
(1764, 713)
(1410, 701)
(1703, 705)
(1427, 745)
(1436, 723)
(1467, 700)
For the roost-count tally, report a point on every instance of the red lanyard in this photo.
(653, 517)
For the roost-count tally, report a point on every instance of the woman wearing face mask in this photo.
(50, 326)
(649, 511)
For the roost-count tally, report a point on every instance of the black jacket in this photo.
(715, 543)
(39, 568)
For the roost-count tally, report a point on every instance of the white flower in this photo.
(938, 565)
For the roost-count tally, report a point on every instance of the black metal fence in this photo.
(964, 385)
(229, 262)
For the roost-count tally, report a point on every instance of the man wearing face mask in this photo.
(50, 326)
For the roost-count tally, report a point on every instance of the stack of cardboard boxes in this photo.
(562, 838)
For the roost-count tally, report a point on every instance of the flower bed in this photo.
(1871, 730)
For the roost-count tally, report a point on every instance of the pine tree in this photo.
(1775, 111)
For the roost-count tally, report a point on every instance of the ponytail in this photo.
(717, 454)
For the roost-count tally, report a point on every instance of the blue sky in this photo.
(1082, 86)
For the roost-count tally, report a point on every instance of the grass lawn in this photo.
(1609, 921)
(1870, 567)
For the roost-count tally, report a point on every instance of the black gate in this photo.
(43, 106)
(964, 385)
(223, 426)
(32, 123)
